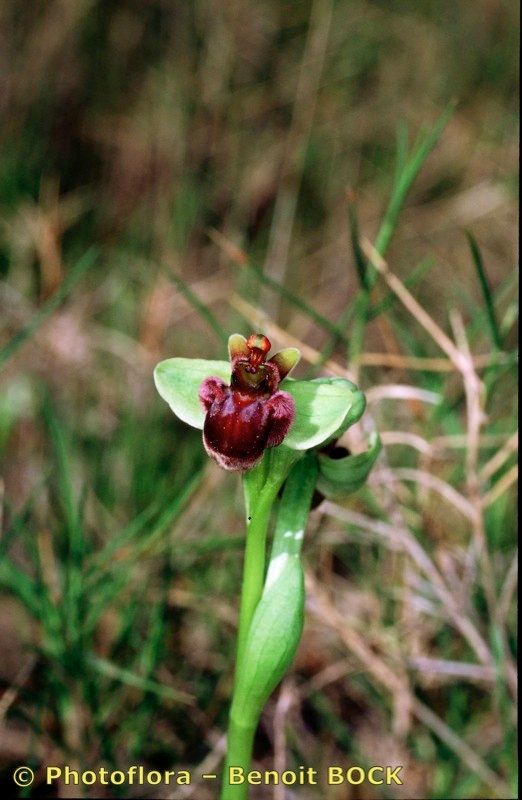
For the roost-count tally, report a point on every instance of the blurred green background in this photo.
(161, 163)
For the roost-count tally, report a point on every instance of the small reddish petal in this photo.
(282, 413)
(210, 390)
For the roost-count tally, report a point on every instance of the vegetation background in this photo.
(172, 172)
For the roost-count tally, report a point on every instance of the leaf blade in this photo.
(346, 475)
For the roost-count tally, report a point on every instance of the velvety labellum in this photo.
(250, 414)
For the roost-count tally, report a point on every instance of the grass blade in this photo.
(199, 306)
(65, 288)
(359, 257)
(486, 290)
(126, 676)
(405, 180)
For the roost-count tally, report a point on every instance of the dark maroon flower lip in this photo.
(244, 419)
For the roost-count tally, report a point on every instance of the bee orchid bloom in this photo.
(244, 418)
(249, 404)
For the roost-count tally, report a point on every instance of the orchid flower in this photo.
(250, 403)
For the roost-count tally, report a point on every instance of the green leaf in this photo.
(324, 407)
(272, 640)
(293, 512)
(345, 475)
(178, 381)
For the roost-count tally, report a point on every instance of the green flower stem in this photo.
(261, 486)
(254, 564)
(240, 742)
(259, 499)
(271, 617)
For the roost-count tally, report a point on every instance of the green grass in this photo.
(120, 546)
